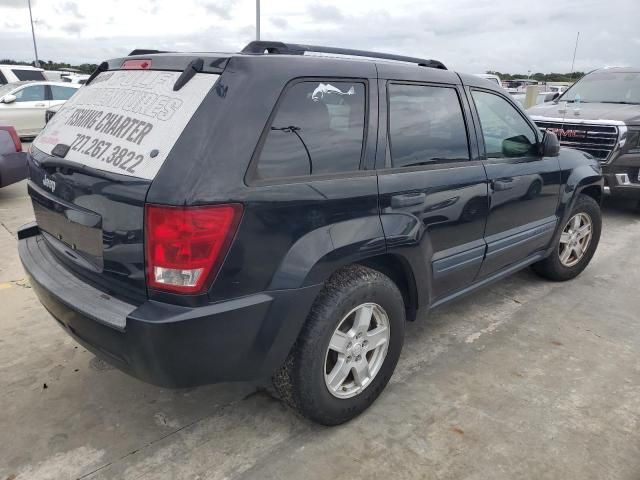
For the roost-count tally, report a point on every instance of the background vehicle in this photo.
(13, 161)
(357, 192)
(492, 78)
(600, 115)
(23, 104)
(18, 73)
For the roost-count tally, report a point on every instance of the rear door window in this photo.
(426, 125)
(28, 74)
(125, 121)
(318, 129)
(62, 93)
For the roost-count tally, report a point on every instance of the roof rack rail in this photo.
(262, 47)
(144, 51)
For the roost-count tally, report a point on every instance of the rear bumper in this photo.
(241, 339)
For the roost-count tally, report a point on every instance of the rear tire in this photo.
(336, 343)
(577, 244)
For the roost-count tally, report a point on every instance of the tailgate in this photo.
(93, 164)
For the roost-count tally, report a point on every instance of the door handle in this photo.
(408, 199)
(39, 105)
(502, 184)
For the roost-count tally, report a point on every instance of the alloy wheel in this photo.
(575, 239)
(357, 350)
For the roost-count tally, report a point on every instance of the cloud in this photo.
(15, 3)
(325, 13)
(221, 8)
(466, 35)
(279, 22)
(74, 28)
(70, 8)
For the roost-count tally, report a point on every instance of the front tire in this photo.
(348, 347)
(576, 245)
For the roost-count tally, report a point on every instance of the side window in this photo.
(506, 134)
(62, 93)
(31, 94)
(426, 125)
(28, 74)
(318, 129)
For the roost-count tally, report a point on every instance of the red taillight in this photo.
(14, 136)
(144, 64)
(185, 246)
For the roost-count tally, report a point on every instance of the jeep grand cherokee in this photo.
(279, 213)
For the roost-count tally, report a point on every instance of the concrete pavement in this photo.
(527, 379)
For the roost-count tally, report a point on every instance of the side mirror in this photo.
(550, 146)
(9, 98)
(555, 96)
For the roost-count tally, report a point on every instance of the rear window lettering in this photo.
(318, 129)
(28, 74)
(116, 121)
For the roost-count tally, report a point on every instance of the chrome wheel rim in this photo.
(575, 239)
(357, 350)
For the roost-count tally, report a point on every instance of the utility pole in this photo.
(257, 19)
(33, 34)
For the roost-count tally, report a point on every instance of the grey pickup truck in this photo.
(600, 115)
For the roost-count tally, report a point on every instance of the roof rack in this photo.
(261, 47)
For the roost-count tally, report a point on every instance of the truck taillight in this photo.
(185, 246)
(14, 136)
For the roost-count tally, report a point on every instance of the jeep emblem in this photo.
(50, 184)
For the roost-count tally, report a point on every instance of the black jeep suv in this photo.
(281, 213)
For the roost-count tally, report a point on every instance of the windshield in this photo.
(605, 87)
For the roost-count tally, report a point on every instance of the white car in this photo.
(23, 104)
(19, 73)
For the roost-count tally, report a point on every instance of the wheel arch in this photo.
(400, 272)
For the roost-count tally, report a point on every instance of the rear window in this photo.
(318, 129)
(125, 121)
(62, 93)
(28, 74)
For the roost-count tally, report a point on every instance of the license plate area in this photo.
(71, 230)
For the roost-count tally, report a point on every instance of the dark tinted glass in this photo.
(3, 79)
(426, 125)
(318, 129)
(62, 93)
(505, 132)
(28, 74)
(31, 94)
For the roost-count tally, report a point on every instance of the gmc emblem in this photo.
(562, 133)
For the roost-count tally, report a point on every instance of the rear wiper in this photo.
(195, 66)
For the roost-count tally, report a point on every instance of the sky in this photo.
(474, 36)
